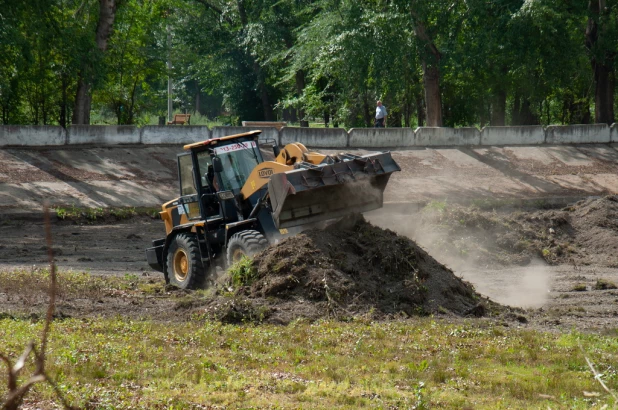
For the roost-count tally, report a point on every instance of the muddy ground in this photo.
(558, 265)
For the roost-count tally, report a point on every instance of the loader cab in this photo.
(237, 158)
(222, 168)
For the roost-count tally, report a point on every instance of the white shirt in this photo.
(380, 112)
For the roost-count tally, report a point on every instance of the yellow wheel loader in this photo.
(233, 203)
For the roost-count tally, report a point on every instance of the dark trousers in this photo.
(379, 123)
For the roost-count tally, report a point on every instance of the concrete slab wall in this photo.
(267, 132)
(315, 137)
(380, 137)
(431, 136)
(47, 135)
(32, 135)
(523, 135)
(180, 134)
(577, 134)
(103, 134)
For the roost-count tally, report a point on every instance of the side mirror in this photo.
(216, 164)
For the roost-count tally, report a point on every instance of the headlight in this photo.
(225, 195)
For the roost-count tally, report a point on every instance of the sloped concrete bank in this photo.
(146, 175)
(13, 135)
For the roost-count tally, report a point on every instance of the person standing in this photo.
(380, 115)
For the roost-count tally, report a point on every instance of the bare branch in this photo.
(16, 394)
(597, 375)
(12, 380)
(22, 359)
(15, 397)
(419, 30)
(52, 290)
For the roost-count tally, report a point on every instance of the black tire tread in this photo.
(197, 276)
(250, 240)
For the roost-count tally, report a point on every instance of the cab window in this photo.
(238, 161)
(185, 172)
(204, 161)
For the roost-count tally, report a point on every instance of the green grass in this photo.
(414, 364)
(34, 284)
(418, 363)
(242, 273)
(97, 214)
(604, 284)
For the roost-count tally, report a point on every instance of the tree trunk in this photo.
(420, 111)
(367, 112)
(604, 94)
(83, 99)
(269, 115)
(63, 102)
(264, 97)
(498, 109)
(300, 88)
(81, 111)
(526, 116)
(516, 117)
(602, 62)
(433, 99)
(431, 71)
(196, 109)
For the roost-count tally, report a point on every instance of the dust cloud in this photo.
(520, 286)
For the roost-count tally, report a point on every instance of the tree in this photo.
(430, 57)
(601, 34)
(135, 61)
(86, 76)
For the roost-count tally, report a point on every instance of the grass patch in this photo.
(580, 287)
(435, 206)
(603, 284)
(421, 363)
(242, 273)
(32, 285)
(97, 214)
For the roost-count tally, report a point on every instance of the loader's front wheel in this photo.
(245, 243)
(184, 265)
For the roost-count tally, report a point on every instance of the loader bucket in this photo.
(327, 191)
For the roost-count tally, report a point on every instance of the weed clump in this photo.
(604, 284)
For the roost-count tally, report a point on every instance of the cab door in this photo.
(188, 206)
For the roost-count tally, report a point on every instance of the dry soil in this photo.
(556, 269)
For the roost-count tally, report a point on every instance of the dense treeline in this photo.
(437, 62)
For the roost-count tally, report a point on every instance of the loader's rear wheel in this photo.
(184, 265)
(245, 243)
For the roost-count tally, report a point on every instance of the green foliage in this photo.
(242, 273)
(506, 61)
(135, 63)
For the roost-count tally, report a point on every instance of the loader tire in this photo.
(244, 243)
(184, 266)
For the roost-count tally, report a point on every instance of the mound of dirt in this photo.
(349, 269)
(585, 233)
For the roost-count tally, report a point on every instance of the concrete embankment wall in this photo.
(31, 135)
